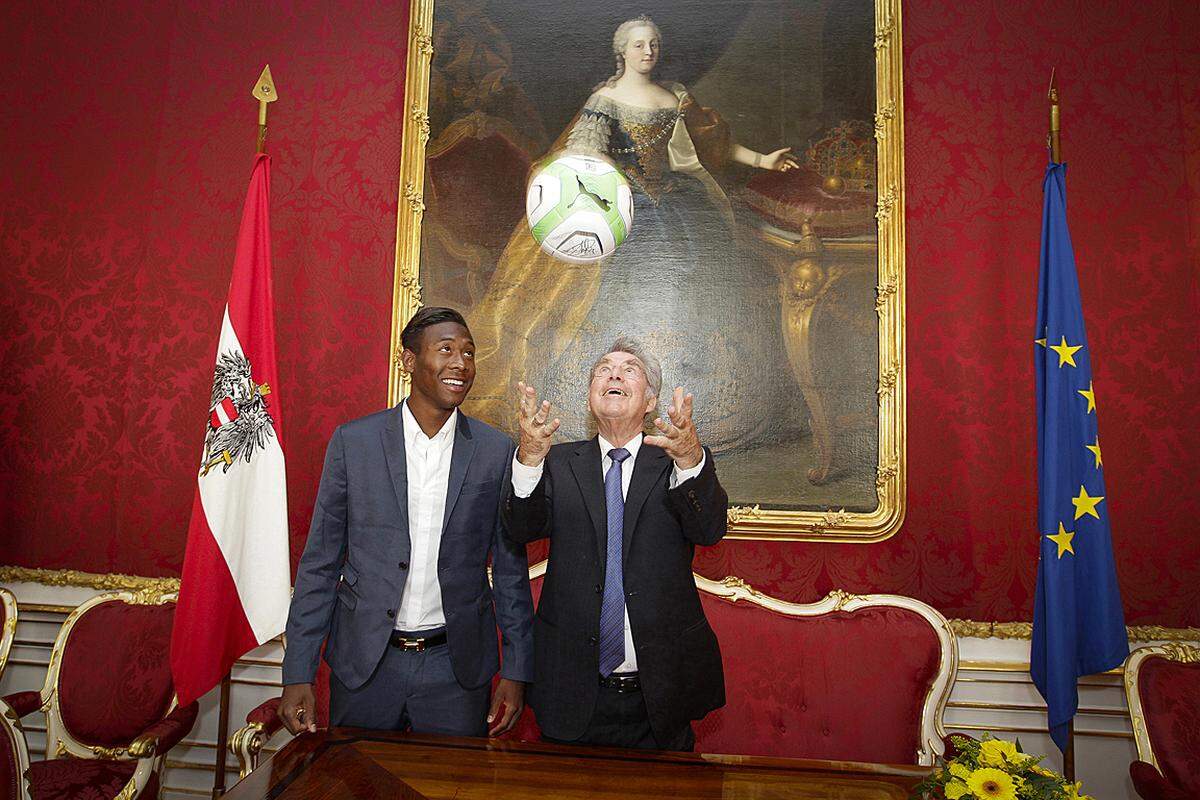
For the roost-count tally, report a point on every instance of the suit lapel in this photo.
(648, 471)
(460, 459)
(397, 462)
(586, 466)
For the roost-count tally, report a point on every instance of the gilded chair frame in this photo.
(8, 602)
(59, 741)
(933, 707)
(1172, 651)
(750, 521)
(11, 724)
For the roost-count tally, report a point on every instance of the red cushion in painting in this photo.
(844, 685)
(1170, 692)
(791, 199)
(116, 677)
(83, 779)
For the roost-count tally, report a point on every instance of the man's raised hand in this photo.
(678, 435)
(537, 429)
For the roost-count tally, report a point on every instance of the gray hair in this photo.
(627, 344)
(621, 41)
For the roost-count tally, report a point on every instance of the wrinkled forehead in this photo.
(618, 359)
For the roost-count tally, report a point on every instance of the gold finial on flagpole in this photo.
(1055, 145)
(264, 92)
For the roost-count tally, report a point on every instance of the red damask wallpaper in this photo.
(127, 144)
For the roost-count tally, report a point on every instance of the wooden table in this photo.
(355, 763)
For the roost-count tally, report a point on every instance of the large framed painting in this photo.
(763, 142)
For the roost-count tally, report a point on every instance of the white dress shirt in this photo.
(427, 460)
(525, 480)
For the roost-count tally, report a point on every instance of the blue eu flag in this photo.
(1078, 625)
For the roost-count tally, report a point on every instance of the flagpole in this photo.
(1055, 144)
(1069, 753)
(264, 92)
(222, 739)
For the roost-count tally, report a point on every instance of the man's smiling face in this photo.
(618, 389)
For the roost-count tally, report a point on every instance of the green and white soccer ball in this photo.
(580, 208)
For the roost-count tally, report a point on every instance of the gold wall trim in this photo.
(751, 522)
(116, 581)
(111, 581)
(1024, 630)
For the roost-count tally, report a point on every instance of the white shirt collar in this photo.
(633, 445)
(412, 428)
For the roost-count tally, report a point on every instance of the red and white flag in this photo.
(236, 580)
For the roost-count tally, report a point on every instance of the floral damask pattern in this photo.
(848, 685)
(115, 680)
(120, 196)
(1170, 693)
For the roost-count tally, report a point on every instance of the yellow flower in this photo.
(955, 790)
(992, 784)
(1040, 770)
(959, 770)
(998, 753)
(1075, 792)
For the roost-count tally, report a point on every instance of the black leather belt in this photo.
(627, 682)
(418, 644)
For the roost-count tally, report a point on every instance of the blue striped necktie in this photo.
(612, 607)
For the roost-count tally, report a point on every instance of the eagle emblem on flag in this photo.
(239, 422)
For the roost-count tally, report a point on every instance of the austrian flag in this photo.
(235, 588)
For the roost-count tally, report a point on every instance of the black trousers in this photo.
(620, 720)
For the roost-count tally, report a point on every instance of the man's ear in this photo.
(651, 405)
(408, 361)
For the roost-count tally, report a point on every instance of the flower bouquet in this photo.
(993, 769)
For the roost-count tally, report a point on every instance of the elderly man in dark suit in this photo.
(623, 653)
(394, 573)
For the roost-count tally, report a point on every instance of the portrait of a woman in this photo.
(678, 283)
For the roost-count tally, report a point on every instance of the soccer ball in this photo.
(580, 208)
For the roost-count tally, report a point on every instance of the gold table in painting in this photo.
(354, 763)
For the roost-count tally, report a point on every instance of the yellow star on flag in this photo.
(1091, 397)
(1095, 448)
(1085, 504)
(1066, 353)
(1063, 540)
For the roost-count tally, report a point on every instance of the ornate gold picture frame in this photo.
(828, 240)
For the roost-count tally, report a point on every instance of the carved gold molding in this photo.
(1024, 630)
(748, 522)
(111, 581)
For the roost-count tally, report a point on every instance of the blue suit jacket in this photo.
(351, 577)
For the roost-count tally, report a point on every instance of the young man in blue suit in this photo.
(394, 573)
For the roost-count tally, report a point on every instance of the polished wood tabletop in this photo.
(355, 763)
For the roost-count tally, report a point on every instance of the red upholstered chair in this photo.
(14, 759)
(857, 678)
(111, 711)
(1162, 689)
(8, 625)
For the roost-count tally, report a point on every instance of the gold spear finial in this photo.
(264, 92)
(1055, 145)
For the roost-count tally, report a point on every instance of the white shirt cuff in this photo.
(525, 479)
(678, 475)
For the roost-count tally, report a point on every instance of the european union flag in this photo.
(1078, 625)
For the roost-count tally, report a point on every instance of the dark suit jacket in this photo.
(351, 576)
(677, 654)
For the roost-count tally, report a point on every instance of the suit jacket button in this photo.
(599, 589)
(403, 565)
(391, 612)
(593, 640)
